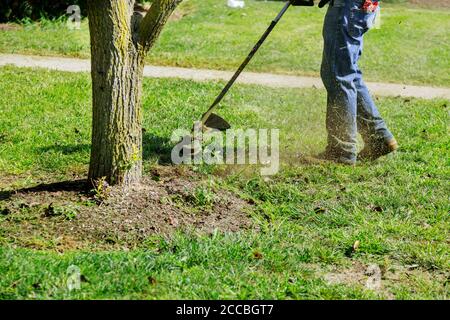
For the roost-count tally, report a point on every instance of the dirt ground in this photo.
(66, 216)
(379, 278)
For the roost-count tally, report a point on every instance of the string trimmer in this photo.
(212, 120)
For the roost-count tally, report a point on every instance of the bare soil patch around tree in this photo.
(67, 215)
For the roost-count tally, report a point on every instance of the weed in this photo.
(101, 190)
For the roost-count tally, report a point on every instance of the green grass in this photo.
(211, 35)
(309, 215)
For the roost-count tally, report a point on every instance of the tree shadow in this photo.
(80, 186)
(68, 148)
(154, 146)
(157, 146)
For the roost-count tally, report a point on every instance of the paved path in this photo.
(264, 79)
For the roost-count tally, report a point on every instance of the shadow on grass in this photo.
(67, 149)
(153, 147)
(79, 186)
(157, 147)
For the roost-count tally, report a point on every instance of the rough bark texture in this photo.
(120, 39)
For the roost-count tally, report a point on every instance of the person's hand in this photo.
(322, 3)
(302, 3)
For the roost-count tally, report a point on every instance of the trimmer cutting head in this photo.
(216, 122)
(192, 144)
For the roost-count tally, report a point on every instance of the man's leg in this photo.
(349, 101)
(371, 125)
(339, 71)
(377, 138)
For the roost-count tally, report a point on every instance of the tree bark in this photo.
(120, 39)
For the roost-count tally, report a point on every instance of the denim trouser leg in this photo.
(372, 127)
(349, 104)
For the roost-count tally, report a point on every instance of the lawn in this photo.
(208, 34)
(308, 217)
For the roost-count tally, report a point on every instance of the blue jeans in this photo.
(350, 107)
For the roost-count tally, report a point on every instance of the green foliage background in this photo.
(16, 10)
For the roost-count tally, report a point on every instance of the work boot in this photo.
(374, 151)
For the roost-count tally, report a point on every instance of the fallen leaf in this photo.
(356, 245)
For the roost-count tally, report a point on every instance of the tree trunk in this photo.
(120, 38)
